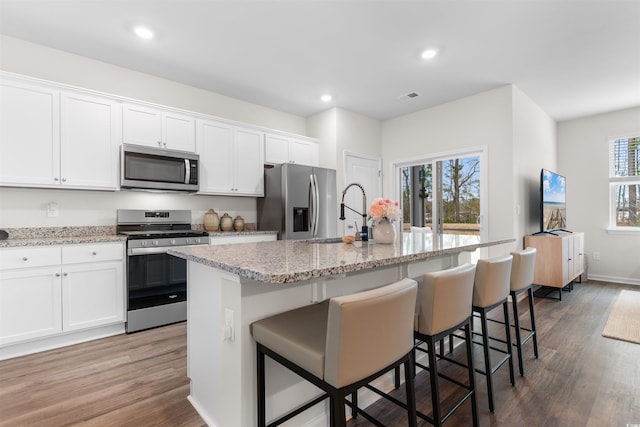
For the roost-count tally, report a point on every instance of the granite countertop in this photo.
(286, 261)
(47, 236)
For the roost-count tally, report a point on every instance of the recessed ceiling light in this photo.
(429, 53)
(143, 33)
(326, 97)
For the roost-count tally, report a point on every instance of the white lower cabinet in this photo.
(30, 304)
(49, 291)
(92, 295)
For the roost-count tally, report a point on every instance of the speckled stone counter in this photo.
(295, 260)
(45, 236)
(240, 233)
(232, 286)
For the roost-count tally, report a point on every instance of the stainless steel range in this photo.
(156, 281)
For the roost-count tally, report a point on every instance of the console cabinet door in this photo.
(29, 134)
(276, 149)
(30, 304)
(92, 295)
(89, 141)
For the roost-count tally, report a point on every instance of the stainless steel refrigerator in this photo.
(300, 202)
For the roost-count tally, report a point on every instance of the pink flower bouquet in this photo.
(384, 209)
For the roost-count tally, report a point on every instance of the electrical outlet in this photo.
(596, 256)
(228, 334)
(52, 210)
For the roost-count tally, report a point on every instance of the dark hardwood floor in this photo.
(580, 379)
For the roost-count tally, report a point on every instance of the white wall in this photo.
(583, 158)
(534, 148)
(27, 207)
(323, 127)
(483, 119)
(33, 60)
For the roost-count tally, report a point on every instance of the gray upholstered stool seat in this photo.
(444, 306)
(490, 290)
(341, 345)
(522, 280)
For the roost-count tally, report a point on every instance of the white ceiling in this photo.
(572, 57)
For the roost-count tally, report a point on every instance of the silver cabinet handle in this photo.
(57, 274)
(94, 253)
(55, 179)
(159, 143)
(64, 179)
(65, 274)
(24, 258)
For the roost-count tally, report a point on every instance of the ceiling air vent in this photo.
(408, 96)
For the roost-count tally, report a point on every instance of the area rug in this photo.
(624, 320)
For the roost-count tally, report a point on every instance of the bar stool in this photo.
(490, 290)
(341, 345)
(444, 306)
(522, 280)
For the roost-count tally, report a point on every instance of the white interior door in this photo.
(366, 171)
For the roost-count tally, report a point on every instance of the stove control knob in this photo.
(155, 243)
(187, 241)
(197, 240)
(144, 243)
(173, 241)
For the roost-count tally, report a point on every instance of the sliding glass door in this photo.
(443, 193)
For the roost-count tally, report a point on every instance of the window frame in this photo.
(614, 181)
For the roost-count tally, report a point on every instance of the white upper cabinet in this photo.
(231, 159)
(89, 141)
(142, 125)
(283, 149)
(52, 138)
(29, 134)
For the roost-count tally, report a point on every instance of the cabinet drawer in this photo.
(11, 258)
(91, 253)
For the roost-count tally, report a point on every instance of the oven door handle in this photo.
(147, 251)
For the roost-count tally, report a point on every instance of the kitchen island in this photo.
(231, 286)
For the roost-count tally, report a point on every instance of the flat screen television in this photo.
(553, 202)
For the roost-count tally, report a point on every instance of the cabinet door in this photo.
(29, 134)
(304, 152)
(92, 295)
(30, 302)
(215, 147)
(141, 125)
(249, 163)
(276, 149)
(178, 132)
(89, 141)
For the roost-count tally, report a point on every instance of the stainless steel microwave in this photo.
(158, 169)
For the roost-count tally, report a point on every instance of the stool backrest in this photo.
(368, 331)
(522, 269)
(493, 278)
(445, 299)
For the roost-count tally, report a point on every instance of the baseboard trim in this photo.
(614, 279)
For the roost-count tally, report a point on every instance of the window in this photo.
(624, 182)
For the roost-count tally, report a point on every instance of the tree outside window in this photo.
(624, 180)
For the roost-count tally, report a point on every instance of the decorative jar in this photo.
(384, 232)
(211, 220)
(238, 223)
(226, 222)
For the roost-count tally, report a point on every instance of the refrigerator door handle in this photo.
(311, 205)
(315, 212)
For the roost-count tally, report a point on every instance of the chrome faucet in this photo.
(364, 234)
